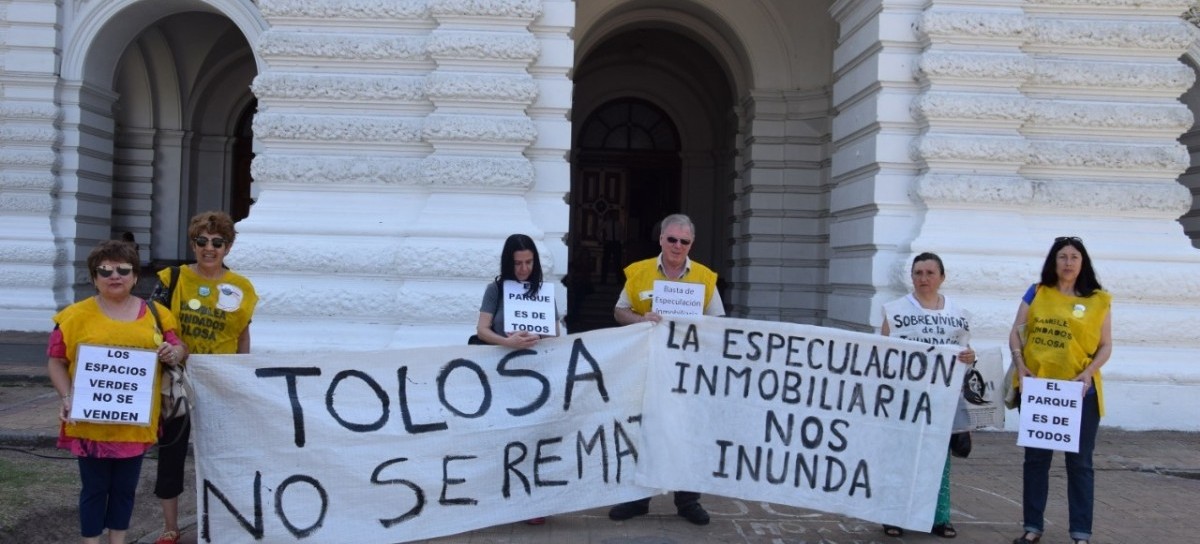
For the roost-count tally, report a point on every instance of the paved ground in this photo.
(1148, 490)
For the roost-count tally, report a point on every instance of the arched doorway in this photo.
(156, 96)
(627, 180)
(653, 135)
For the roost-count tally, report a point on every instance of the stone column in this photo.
(782, 192)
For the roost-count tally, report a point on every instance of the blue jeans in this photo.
(1080, 477)
(106, 498)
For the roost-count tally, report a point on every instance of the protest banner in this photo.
(524, 312)
(839, 421)
(676, 298)
(1050, 414)
(113, 385)
(394, 446)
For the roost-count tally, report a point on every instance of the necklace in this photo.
(119, 313)
(939, 304)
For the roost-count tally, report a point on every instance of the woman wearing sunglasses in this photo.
(519, 261)
(1069, 337)
(910, 318)
(214, 306)
(109, 454)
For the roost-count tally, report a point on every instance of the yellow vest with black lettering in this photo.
(212, 313)
(1062, 333)
(640, 278)
(85, 323)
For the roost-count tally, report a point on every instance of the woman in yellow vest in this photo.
(213, 305)
(110, 454)
(1068, 336)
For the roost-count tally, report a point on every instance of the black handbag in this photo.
(960, 444)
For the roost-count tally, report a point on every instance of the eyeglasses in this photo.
(202, 241)
(674, 240)
(1068, 239)
(105, 271)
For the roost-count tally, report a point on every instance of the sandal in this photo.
(168, 537)
(892, 530)
(1026, 540)
(944, 530)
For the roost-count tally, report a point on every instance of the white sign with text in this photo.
(1050, 412)
(525, 312)
(113, 385)
(676, 298)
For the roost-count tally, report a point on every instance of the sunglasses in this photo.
(1068, 239)
(105, 271)
(674, 240)
(202, 241)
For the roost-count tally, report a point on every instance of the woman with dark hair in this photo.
(519, 261)
(216, 304)
(1068, 304)
(911, 317)
(110, 454)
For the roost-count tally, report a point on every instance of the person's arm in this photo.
(1014, 340)
(886, 329)
(624, 314)
(244, 340)
(57, 368)
(517, 340)
(1103, 352)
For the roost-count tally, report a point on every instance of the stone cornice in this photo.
(40, 157)
(28, 134)
(1166, 199)
(974, 65)
(513, 9)
(339, 87)
(936, 105)
(336, 128)
(27, 203)
(345, 9)
(1068, 73)
(30, 111)
(941, 23)
(28, 181)
(467, 128)
(1169, 199)
(970, 148)
(295, 44)
(447, 171)
(520, 89)
(1172, 35)
(1174, 118)
(466, 45)
(1107, 156)
(335, 170)
(988, 190)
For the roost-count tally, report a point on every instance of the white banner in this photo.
(845, 422)
(411, 444)
(113, 385)
(1050, 414)
(534, 313)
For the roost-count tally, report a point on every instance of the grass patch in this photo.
(35, 481)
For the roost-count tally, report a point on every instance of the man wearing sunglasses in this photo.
(677, 234)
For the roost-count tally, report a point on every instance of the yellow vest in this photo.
(85, 323)
(220, 312)
(640, 276)
(1062, 332)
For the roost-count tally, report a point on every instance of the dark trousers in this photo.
(106, 497)
(682, 498)
(1080, 477)
(172, 453)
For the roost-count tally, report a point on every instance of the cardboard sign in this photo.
(983, 399)
(675, 298)
(814, 417)
(1050, 414)
(533, 313)
(113, 385)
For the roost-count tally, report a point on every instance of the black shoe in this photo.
(693, 513)
(628, 510)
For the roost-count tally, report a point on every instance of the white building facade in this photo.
(378, 152)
